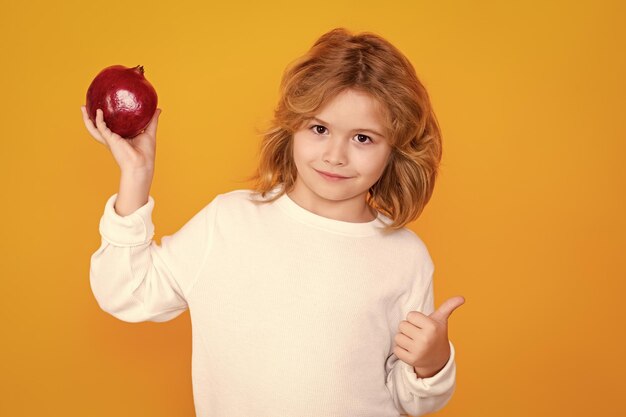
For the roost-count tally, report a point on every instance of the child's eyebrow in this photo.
(354, 130)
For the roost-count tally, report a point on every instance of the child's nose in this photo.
(335, 152)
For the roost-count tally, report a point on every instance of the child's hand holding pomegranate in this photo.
(134, 156)
(126, 99)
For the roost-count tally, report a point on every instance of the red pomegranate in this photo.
(128, 101)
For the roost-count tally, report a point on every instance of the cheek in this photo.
(374, 165)
(299, 156)
(302, 151)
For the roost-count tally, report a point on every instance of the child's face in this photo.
(342, 142)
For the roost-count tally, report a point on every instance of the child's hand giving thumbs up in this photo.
(422, 341)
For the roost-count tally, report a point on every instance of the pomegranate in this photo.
(128, 101)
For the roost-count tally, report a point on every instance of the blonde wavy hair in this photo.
(337, 61)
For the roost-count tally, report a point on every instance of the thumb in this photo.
(151, 129)
(445, 310)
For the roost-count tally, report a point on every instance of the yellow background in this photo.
(527, 220)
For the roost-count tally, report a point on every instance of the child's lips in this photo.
(331, 176)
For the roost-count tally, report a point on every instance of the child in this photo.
(307, 295)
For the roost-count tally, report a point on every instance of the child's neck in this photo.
(354, 210)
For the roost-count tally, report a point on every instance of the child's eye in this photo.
(319, 130)
(367, 138)
(316, 129)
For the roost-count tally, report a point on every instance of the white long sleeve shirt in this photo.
(293, 314)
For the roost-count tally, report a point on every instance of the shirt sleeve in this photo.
(411, 394)
(133, 278)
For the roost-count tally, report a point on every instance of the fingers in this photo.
(409, 329)
(152, 127)
(90, 126)
(105, 132)
(102, 126)
(418, 319)
(403, 341)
